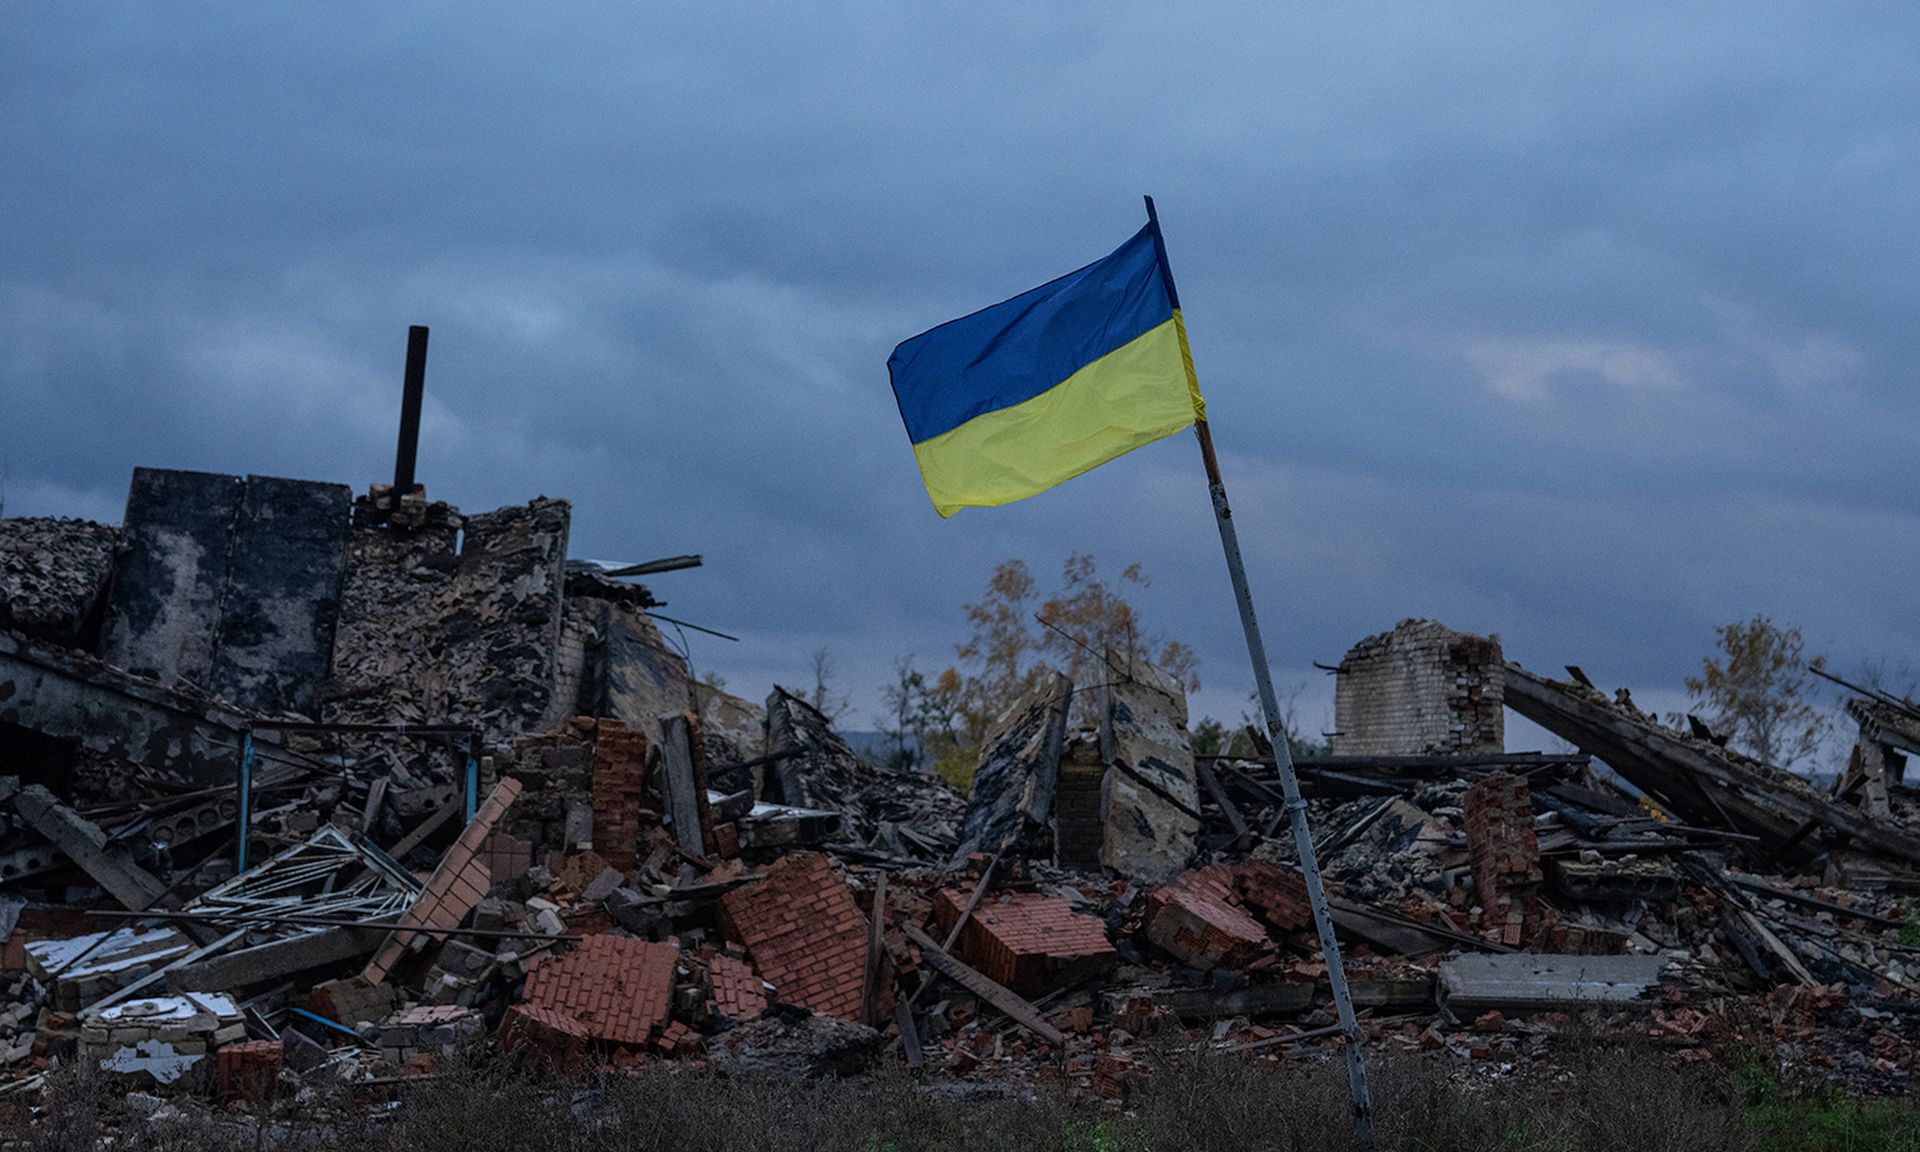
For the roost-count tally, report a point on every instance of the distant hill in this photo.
(873, 747)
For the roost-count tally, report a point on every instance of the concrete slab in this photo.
(1526, 981)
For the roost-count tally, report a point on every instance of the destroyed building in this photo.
(1419, 688)
(297, 783)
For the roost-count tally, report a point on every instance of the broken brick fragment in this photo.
(1027, 941)
(1278, 895)
(738, 993)
(546, 1034)
(1193, 918)
(619, 989)
(1505, 855)
(248, 1070)
(804, 933)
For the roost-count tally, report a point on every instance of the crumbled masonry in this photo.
(651, 869)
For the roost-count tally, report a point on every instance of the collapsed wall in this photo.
(53, 575)
(431, 635)
(1420, 689)
(615, 663)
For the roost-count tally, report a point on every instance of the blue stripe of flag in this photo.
(1013, 351)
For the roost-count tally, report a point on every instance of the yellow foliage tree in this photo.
(1755, 690)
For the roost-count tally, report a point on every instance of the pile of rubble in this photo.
(476, 800)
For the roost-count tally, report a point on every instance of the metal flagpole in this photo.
(1282, 754)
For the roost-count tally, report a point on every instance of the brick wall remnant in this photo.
(1077, 826)
(53, 576)
(1027, 941)
(1420, 689)
(1277, 895)
(1505, 854)
(459, 882)
(620, 990)
(619, 784)
(545, 1033)
(737, 992)
(805, 934)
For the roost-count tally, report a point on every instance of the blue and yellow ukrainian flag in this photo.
(1019, 397)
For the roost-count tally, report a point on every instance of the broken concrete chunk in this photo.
(1529, 982)
(1150, 797)
(86, 845)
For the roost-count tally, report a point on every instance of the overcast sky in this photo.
(1590, 330)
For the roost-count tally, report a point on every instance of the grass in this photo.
(1603, 1098)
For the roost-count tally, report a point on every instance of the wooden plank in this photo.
(1015, 1006)
(1774, 944)
(686, 796)
(1280, 998)
(1805, 901)
(966, 913)
(1702, 783)
(376, 794)
(1391, 930)
(875, 924)
(1872, 758)
(909, 1032)
(427, 828)
(1220, 797)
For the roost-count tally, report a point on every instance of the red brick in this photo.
(618, 989)
(457, 884)
(1028, 941)
(737, 992)
(548, 1033)
(1278, 895)
(805, 934)
(248, 1070)
(508, 857)
(619, 784)
(1194, 919)
(1505, 855)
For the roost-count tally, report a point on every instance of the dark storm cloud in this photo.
(1591, 330)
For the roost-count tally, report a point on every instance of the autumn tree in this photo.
(1009, 648)
(921, 716)
(831, 702)
(1755, 689)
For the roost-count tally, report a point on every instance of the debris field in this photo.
(300, 784)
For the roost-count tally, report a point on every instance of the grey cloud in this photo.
(1591, 330)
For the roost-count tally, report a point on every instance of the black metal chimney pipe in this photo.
(405, 456)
